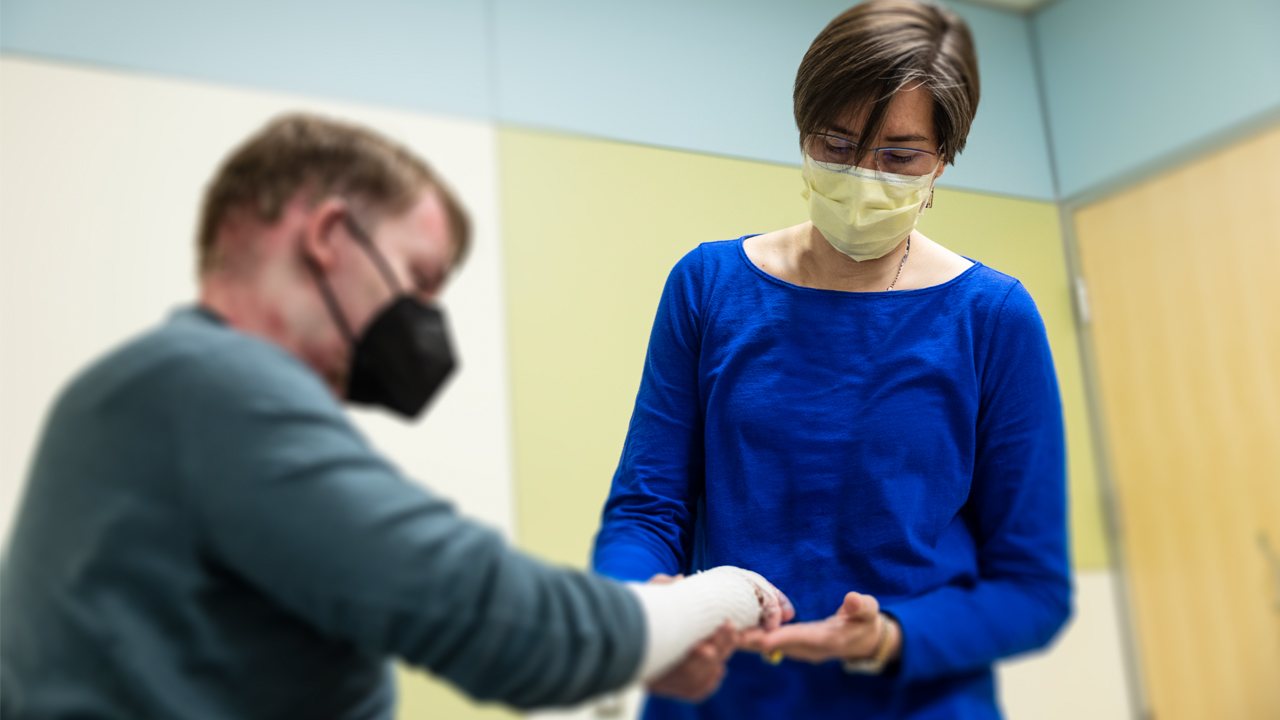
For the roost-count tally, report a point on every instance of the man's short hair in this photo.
(323, 158)
(876, 48)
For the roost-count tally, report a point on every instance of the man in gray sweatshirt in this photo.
(204, 533)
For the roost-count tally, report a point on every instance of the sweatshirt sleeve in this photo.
(290, 497)
(1017, 509)
(647, 526)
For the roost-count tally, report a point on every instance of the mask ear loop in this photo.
(380, 262)
(330, 300)
(326, 290)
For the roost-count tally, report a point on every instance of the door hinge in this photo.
(1082, 301)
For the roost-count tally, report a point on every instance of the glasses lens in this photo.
(904, 161)
(831, 149)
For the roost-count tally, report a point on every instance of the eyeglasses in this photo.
(831, 151)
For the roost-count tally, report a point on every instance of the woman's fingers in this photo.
(845, 634)
(752, 639)
(812, 641)
(857, 606)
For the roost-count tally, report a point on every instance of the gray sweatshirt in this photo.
(205, 535)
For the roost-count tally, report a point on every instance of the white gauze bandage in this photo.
(681, 614)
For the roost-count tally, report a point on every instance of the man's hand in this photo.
(700, 673)
(775, 607)
(698, 676)
(854, 632)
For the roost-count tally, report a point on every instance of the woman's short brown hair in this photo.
(325, 158)
(876, 48)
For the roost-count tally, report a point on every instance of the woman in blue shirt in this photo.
(862, 416)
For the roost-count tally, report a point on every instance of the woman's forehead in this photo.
(909, 118)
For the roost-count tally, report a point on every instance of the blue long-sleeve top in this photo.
(904, 444)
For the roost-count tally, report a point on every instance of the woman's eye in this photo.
(835, 147)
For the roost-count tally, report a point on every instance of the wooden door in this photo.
(1183, 279)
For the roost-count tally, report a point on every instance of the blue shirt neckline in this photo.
(914, 292)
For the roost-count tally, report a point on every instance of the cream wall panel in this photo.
(1082, 674)
(100, 178)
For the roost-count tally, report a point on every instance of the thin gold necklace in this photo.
(900, 265)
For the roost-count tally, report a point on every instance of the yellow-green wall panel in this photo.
(591, 229)
(422, 697)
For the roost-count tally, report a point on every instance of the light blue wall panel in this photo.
(716, 76)
(1134, 82)
(711, 76)
(418, 54)
(1008, 151)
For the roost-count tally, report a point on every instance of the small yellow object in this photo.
(774, 658)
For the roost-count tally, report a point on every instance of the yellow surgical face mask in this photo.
(863, 213)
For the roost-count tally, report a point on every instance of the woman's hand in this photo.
(854, 632)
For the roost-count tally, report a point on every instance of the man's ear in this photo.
(322, 231)
(942, 165)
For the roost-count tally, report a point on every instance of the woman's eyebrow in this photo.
(915, 137)
(906, 138)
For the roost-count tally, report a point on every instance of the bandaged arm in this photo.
(293, 502)
(681, 614)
